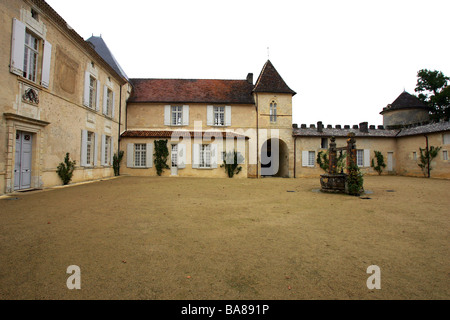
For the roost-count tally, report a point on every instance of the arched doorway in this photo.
(275, 158)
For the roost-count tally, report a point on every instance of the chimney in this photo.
(250, 78)
(363, 127)
(319, 126)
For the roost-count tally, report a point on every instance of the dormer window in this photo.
(34, 14)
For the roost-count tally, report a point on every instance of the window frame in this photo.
(273, 111)
(29, 51)
(219, 115)
(176, 115)
(90, 151)
(444, 155)
(107, 152)
(360, 157)
(204, 156)
(92, 92)
(311, 158)
(140, 154)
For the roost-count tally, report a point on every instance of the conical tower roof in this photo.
(270, 80)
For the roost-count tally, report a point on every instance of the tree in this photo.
(65, 169)
(426, 156)
(433, 89)
(117, 158)
(380, 162)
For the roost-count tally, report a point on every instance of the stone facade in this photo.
(43, 94)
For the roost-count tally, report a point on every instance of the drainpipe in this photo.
(257, 136)
(120, 117)
(428, 157)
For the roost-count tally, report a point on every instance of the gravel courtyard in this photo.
(182, 238)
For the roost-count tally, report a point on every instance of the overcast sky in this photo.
(345, 59)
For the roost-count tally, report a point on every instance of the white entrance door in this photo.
(22, 165)
(174, 157)
(390, 164)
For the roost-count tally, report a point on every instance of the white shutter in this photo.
(97, 102)
(130, 155)
(113, 104)
(149, 155)
(87, 76)
(103, 147)
(94, 162)
(111, 153)
(366, 158)
(167, 115)
(105, 99)
(209, 115)
(17, 47)
(228, 115)
(305, 156)
(46, 61)
(195, 155)
(213, 155)
(185, 115)
(181, 156)
(83, 159)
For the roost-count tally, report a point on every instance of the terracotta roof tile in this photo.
(270, 80)
(192, 91)
(179, 133)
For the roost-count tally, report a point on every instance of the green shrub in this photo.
(116, 162)
(65, 169)
(231, 163)
(355, 180)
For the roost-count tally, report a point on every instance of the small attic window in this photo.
(34, 14)
(92, 64)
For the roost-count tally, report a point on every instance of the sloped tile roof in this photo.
(179, 133)
(269, 80)
(192, 91)
(330, 132)
(405, 101)
(102, 49)
(424, 129)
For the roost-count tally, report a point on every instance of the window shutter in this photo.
(103, 147)
(181, 156)
(17, 47)
(46, 62)
(97, 102)
(305, 157)
(213, 155)
(167, 115)
(130, 155)
(105, 99)
(185, 115)
(228, 115)
(94, 162)
(209, 115)
(149, 155)
(111, 153)
(83, 159)
(113, 104)
(195, 155)
(86, 89)
(366, 157)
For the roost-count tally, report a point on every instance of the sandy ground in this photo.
(182, 238)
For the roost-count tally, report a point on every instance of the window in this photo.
(311, 158)
(446, 138)
(174, 156)
(444, 155)
(92, 92)
(34, 15)
(107, 151)
(414, 156)
(359, 158)
(109, 102)
(205, 156)
(324, 143)
(273, 111)
(219, 116)
(31, 55)
(90, 148)
(140, 155)
(177, 116)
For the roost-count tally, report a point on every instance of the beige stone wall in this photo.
(127, 168)
(408, 162)
(60, 114)
(405, 116)
(384, 145)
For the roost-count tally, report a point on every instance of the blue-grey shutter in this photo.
(17, 47)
